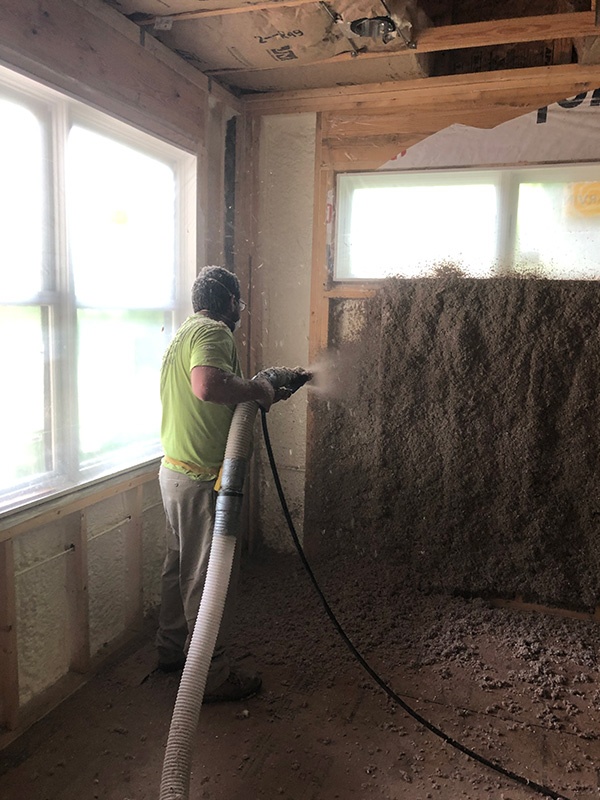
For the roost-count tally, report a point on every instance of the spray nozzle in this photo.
(285, 378)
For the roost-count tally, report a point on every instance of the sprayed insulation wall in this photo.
(113, 548)
(461, 436)
(282, 293)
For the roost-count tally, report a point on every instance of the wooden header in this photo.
(550, 83)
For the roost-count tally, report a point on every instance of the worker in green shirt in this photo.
(201, 383)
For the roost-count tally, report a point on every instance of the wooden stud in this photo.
(215, 165)
(251, 278)
(9, 672)
(319, 306)
(134, 583)
(77, 593)
(320, 278)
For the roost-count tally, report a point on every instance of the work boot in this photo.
(237, 686)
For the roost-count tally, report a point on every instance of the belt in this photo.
(208, 474)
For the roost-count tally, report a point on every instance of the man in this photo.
(201, 383)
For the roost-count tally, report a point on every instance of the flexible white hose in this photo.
(175, 781)
(177, 763)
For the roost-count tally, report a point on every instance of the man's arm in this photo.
(217, 386)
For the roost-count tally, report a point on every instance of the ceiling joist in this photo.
(557, 81)
(268, 5)
(544, 28)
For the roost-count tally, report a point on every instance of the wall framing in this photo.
(361, 128)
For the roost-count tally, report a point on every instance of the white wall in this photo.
(281, 276)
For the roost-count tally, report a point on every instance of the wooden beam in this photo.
(352, 291)
(167, 19)
(358, 127)
(457, 37)
(77, 593)
(320, 278)
(251, 279)
(61, 43)
(318, 333)
(9, 673)
(215, 166)
(553, 82)
(134, 579)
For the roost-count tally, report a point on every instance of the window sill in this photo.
(50, 509)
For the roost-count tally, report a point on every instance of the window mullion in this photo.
(65, 414)
(508, 195)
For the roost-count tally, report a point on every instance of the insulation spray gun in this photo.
(284, 380)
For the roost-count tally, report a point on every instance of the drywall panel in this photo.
(281, 287)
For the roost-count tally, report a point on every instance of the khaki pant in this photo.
(190, 510)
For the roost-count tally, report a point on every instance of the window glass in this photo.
(96, 260)
(21, 202)
(558, 229)
(121, 217)
(408, 230)
(119, 357)
(541, 220)
(22, 399)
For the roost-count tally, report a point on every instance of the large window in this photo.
(94, 273)
(544, 221)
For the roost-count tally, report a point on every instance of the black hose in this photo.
(536, 787)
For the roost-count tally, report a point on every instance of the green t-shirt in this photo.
(195, 431)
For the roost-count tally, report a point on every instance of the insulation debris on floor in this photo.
(521, 689)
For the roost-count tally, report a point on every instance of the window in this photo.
(544, 220)
(95, 255)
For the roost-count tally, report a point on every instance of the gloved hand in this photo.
(283, 381)
(282, 394)
(285, 378)
(266, 394)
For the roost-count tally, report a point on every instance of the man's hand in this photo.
(294, 378)
(266, 392)
(282, 394)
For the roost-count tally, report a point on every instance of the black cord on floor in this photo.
(536, 787)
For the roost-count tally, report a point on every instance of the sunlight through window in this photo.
(96, 237)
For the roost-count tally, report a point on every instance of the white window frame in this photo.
(58, 300)
(507, 180)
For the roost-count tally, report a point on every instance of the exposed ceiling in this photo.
(281, 45)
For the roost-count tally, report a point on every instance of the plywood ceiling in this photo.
(279, 45)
